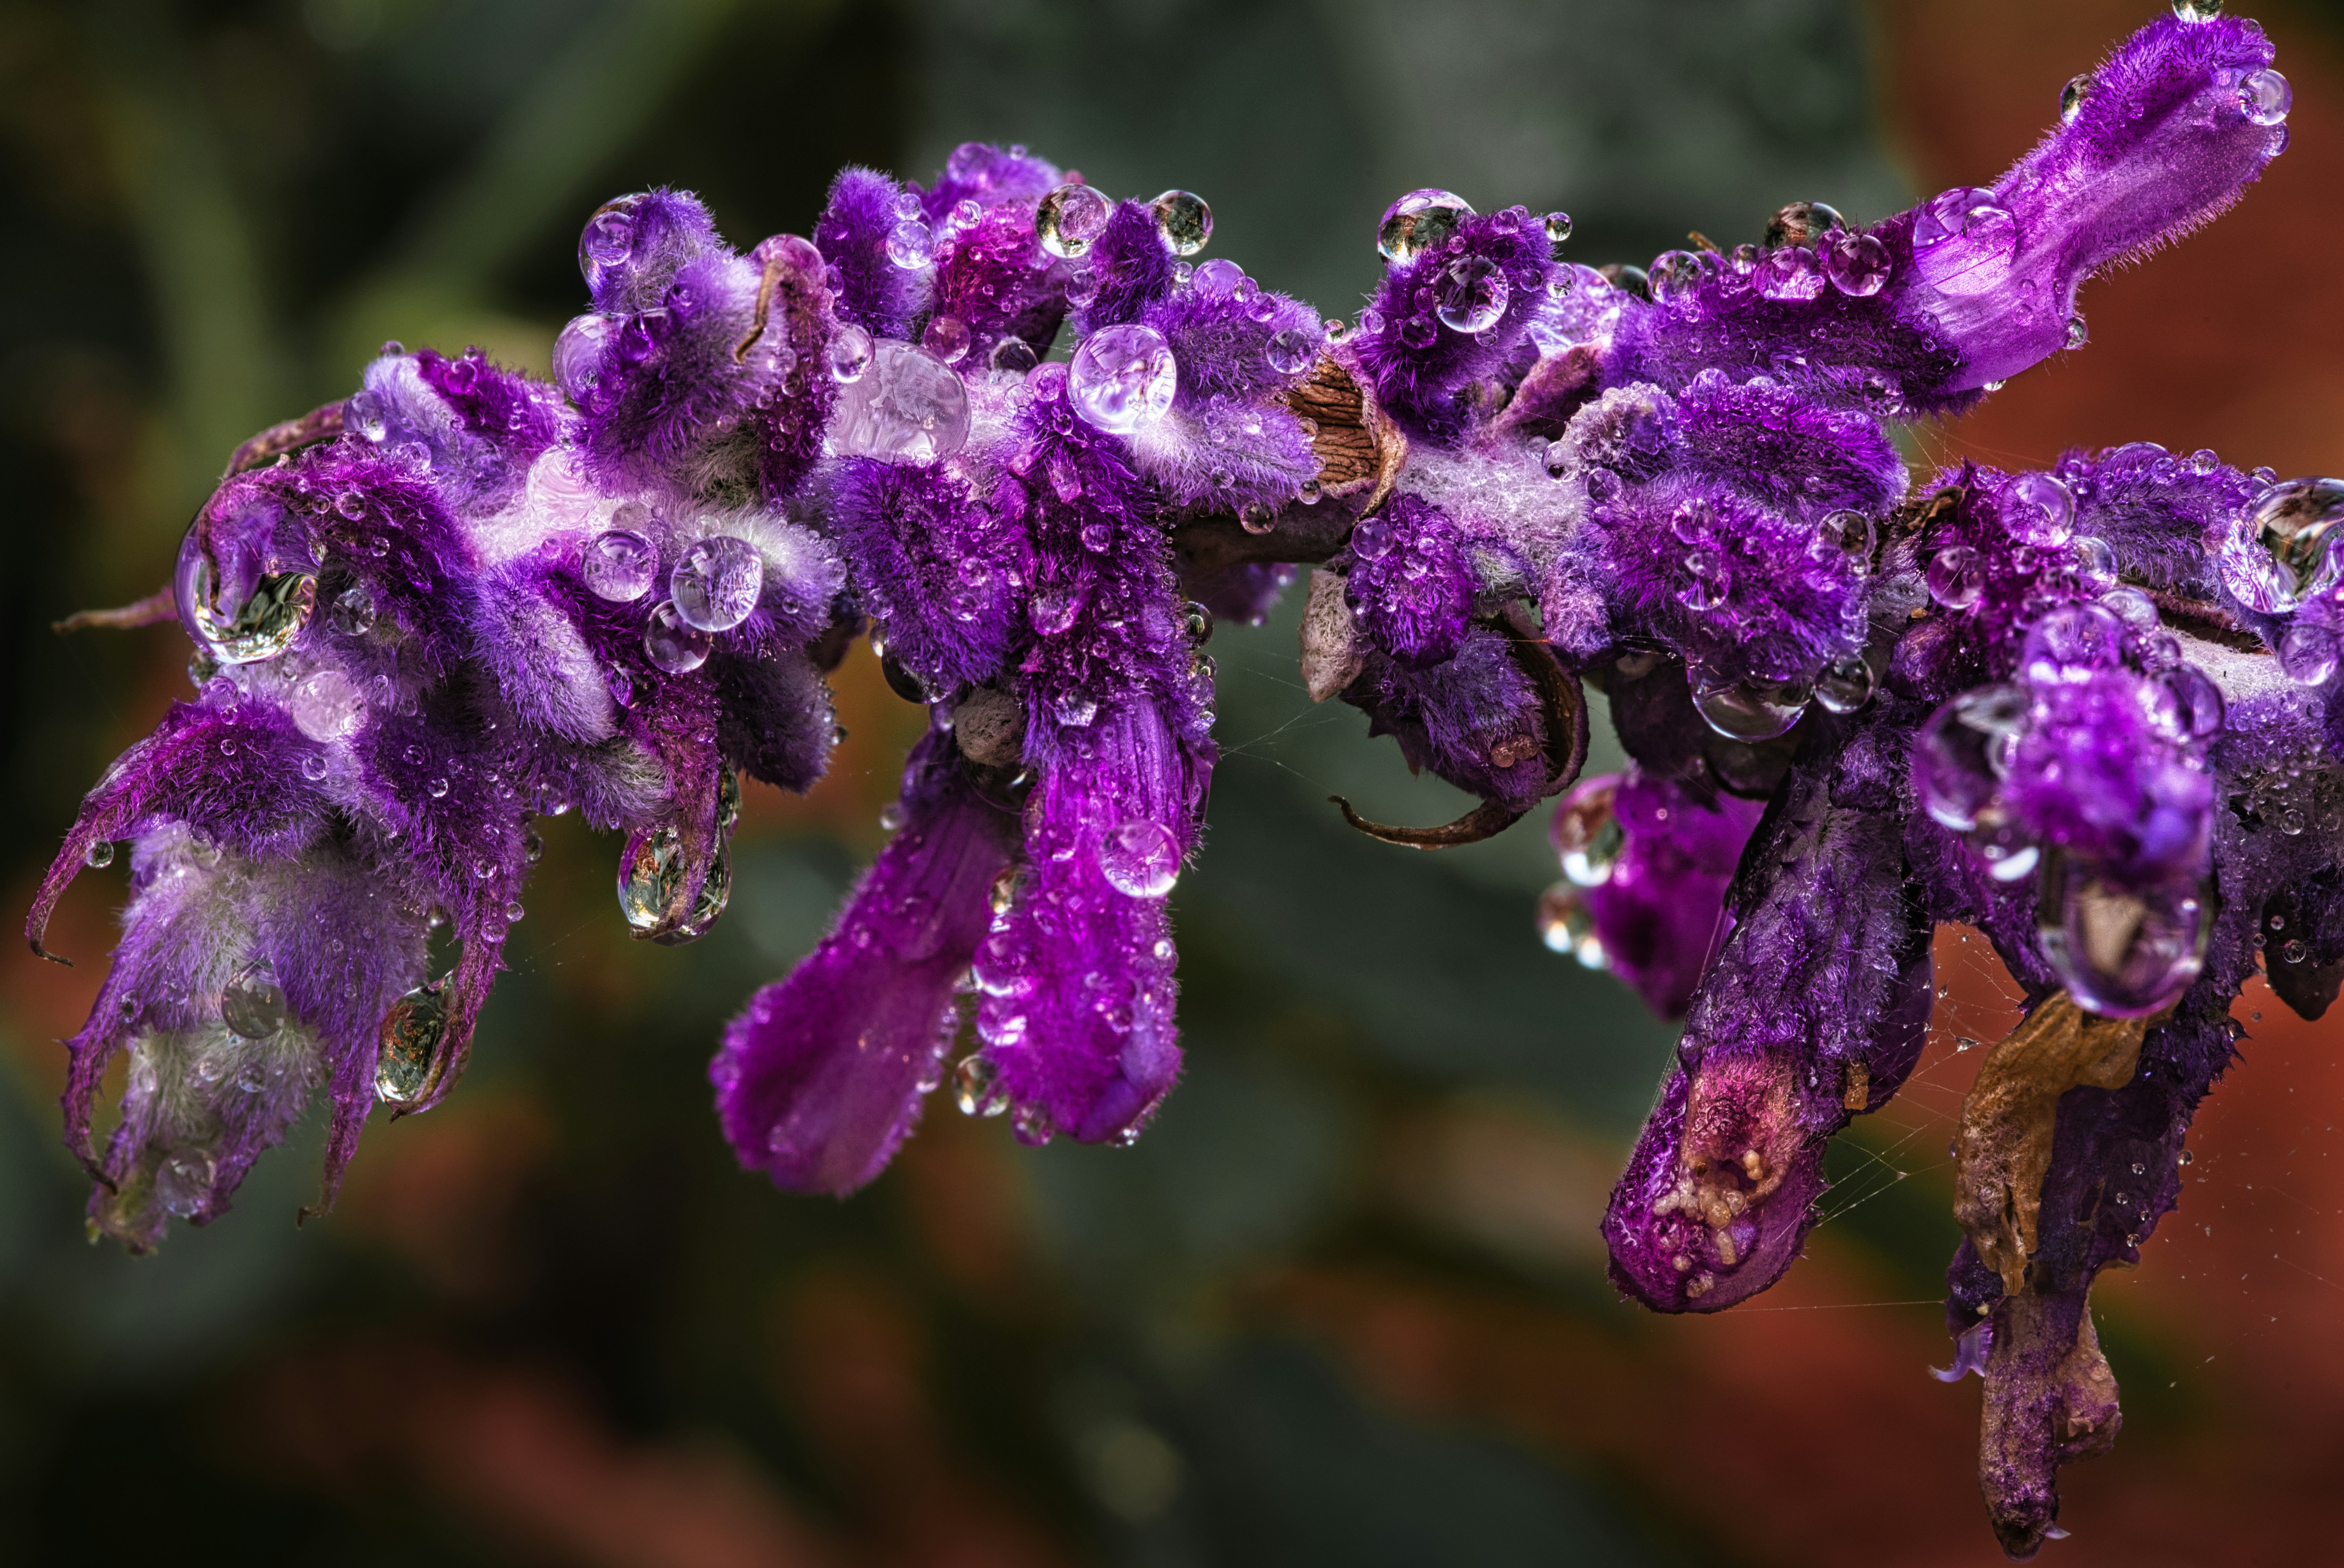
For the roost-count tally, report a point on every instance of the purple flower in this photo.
(2093, 712)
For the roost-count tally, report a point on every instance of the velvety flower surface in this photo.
(2092, 711)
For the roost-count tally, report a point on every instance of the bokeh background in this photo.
(1344, 1304)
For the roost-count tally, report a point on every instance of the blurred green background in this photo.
(1344, 1304)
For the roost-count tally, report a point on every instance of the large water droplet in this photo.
(1471, 295)
(1291, 349)
(976, 1086)
(619, 565)
(182, 1181)
(1963, 242)
(673, 645)
(1587, 835)
(717, 582)
(2120, 953)
(252, 1005)
(1844, 685)
(2072, 98)
(848, 355)
(260, 623)
(2185, 702)
(2308, 654)
(1139, 858)
(1423, 220)
(2196, 10)
(907, 408)
(1674, 274)
(651, 873)
(1750, 710)
(408, 1044)
(707, 905)
(1856, 264)
(99, 854)
(1847, 536)
(1566, 925)
(910, 245)
(1122, 378)
(1962, 754)
(1557, 234)
(352, 613)
(2039, 509)
(2280, 552)
(1955, 577)
(946, 338)
(327, 706)
(1184, 220)
(2266, 98)
(1789, 275)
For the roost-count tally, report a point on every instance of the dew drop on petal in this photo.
(1139, 858)
(1586, 833)
(1857, 265)
(1122, 378)
(1184, 220)
(252, 1005)
(716, 584)
(1750, 710)
(672, 644)
(908, 407)
(2266, 98)
(1964, 751)
(2072, 98)
(2120, 952)
(976, 1086)
(1566, 925)
(183, 1182)
(352, 613)
(1953, 577)
(1424, 220)
(407, 1044)
(848, 355)
(1844, 685)
(327, 706)
(99, 854)
(946, 338)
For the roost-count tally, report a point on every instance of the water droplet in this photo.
(1789, 275)
(1256, 516)
(2078, 334)
(1844, 685)
(673, 645)
(976, 1086)
(1196, 623)
(1184, 220)
(182, 1181)
(1750, 710)
(99, 854)
(2119, 952)
(1849, 536)
(2266, 98)
(1857, 265)
(1557, 232)
(910, 245)
(352, 613)
(1803, 223)
(946, 338)
(1139, 858)
(2072, 98)
(1425, 221)
(1962, 754)
(408, 1044)
(1372, 540)
(2039, 509)
(717, 582)
(1291, 351)
(1032, 1126)
(327, 706)
(891, 816)
(1012, 356)
(2279, 552)
(1122, 378)
(849, 354)
(2196, 10)
(1706, 580)
(1566, 925)
(1963, 242)
(1586, 834)
(1674, 274)
(271, 616)
(619, 565)
(909, 406)
(1956, 578)
(2307, 653)
(252, 1005)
